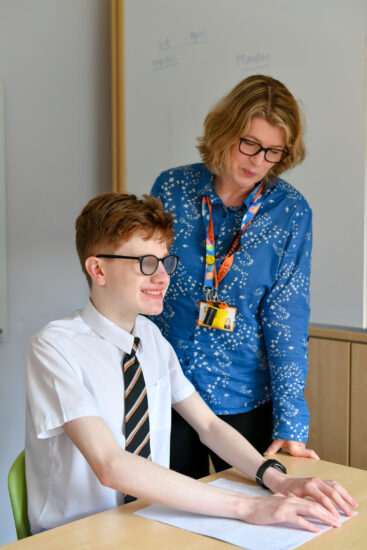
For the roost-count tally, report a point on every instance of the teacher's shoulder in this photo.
(291, 196)
(185, 175)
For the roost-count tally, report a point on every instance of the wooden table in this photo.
(119, 529)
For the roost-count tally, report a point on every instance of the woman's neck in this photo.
(229, 193)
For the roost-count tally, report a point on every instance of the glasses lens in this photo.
(170, 264)
(274, 155)
(248, 147)
(149, 265)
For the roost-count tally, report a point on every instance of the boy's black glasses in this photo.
(149, 263)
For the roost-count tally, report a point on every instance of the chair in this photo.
(18, 496)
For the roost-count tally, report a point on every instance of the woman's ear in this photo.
(94, 267)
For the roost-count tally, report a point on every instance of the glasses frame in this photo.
(284, 152)
(141, 258)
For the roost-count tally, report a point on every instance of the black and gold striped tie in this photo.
(137, 434)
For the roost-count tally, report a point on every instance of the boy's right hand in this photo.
(279, 508)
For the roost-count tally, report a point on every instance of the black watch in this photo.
(270, 463)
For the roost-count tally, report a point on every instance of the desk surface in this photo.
(119, 529)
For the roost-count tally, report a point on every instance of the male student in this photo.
(100, 386)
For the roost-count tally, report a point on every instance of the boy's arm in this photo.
(232, 447)
(221, 438)
(134, 475)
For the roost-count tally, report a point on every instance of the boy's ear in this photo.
(94, 267)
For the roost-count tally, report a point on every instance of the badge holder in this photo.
(217, 315)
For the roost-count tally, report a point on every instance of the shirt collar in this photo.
(248, 200)
(107, 329)
(206, 187)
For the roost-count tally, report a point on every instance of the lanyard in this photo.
(213, 277)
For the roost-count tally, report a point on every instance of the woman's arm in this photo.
(284, 317)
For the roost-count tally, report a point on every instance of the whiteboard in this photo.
(182, 56)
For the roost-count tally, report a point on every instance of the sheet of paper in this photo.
(252, 537)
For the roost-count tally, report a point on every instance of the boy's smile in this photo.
(121, 291)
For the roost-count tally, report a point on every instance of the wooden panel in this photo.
(358, 420)
(338, 333)
(328, 397)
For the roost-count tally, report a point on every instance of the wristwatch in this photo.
(270, 463)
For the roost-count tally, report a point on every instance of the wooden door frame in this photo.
(118, 97)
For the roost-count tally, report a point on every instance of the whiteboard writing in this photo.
(191, 39)
(164, 62)
(251, 62)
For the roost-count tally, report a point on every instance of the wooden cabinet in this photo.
(358, 400)
(328, 399)
(336, 393)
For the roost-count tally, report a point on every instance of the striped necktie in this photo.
(137, 435)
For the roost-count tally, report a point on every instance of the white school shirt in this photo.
(73, 369)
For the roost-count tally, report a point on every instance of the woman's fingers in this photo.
(274, 447)
(305, 453)
(294, 448)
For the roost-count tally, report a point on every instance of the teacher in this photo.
(237, 309)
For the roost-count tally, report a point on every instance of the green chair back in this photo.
(18, 496)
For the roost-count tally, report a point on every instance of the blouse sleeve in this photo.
(284, 316)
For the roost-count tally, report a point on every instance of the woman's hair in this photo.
(111, 219)
(255, 96)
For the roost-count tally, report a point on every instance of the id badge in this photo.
(217, 315)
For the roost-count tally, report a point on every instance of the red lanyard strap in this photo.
(212, 277)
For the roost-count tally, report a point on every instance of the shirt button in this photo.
(216, 237)
(187, 362)
(224, 215)
(191, 337)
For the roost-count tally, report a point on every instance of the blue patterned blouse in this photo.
(266, 356)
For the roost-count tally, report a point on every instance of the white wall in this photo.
(55, 67)
(183, 56)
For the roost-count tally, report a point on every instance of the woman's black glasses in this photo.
(272, 154)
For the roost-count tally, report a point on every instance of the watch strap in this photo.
(270, 463)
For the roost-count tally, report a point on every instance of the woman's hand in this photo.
(294, 448)
(289, 508)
